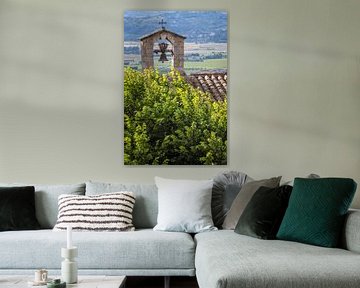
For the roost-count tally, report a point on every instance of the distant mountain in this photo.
(196, 26)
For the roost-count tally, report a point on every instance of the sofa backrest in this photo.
(46, 200)
(146, 203)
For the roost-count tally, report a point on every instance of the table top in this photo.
(84, 281)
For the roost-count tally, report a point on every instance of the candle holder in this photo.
(69, 271)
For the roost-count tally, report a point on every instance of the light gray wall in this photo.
(294, 89)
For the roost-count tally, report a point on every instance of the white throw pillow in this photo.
(104, 212)
(184, 205)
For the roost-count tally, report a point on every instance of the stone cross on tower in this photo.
(162, 23)
(147, 47)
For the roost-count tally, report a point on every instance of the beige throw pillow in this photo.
(243, 198)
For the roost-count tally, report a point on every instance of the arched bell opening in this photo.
(163, 55)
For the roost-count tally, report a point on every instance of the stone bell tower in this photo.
(161, 37)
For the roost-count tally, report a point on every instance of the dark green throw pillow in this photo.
(263, 214)
(316, 211)
(17, 208)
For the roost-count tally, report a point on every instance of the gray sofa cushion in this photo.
(143, 249)
(46, 200)
(226, 259)
(146, 204)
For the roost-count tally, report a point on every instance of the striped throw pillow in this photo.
(105, 212)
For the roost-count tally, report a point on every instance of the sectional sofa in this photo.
(219, 259)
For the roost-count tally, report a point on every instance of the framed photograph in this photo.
(175, 87)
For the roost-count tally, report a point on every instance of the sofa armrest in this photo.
(351, 233)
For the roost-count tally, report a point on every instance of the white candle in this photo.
(69, 237)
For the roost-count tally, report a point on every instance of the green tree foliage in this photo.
(168, 121)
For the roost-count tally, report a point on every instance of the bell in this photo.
(163, 46)
(163, 57)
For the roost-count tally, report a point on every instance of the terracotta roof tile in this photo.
(214, 83)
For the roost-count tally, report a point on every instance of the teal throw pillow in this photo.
(316, 211)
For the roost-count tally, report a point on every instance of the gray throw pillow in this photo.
(226, 187)
(184, 205)
(243, 198)
(310, 176)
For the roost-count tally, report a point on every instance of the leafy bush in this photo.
(168, 121)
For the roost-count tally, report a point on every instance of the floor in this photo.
(158, 282)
